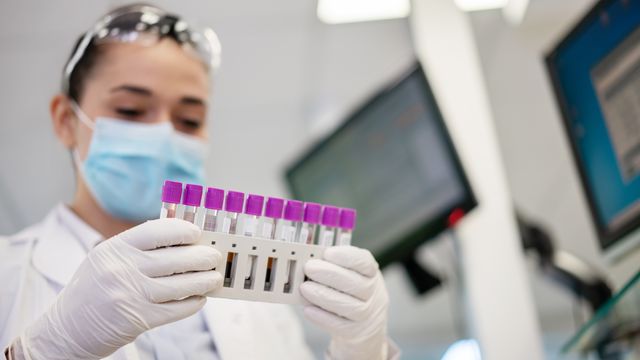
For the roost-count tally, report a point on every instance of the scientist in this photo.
(93, 280)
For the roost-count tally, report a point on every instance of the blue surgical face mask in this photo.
(127, 163)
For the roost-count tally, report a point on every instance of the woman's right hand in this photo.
(150, 275)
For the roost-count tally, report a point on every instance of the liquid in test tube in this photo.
(171, 195)
(233, 206)
(330, 221)
(310, 222)
(191, 199)
(272, 216)
(252, 213)
(213, 204)
(347, 224)
(291, 225)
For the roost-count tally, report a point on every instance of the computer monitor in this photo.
(595, 71)
(392, 160)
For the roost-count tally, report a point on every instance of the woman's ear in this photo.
(63, 119)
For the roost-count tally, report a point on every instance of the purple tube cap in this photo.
(171, 192)
(192, 195)
(293, 210)
(330, 216)
(274, 208)
(348, 219)
(254, 205)
(214, 198)
(235, 201)
(312, 213)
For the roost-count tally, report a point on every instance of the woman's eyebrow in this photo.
(133, 89)
(192, 100)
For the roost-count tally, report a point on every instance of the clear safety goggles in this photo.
(147, 25)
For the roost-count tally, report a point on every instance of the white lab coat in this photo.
(40, 260)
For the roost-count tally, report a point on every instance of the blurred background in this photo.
(288, 79)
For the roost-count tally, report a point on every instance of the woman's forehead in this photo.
(164, 68)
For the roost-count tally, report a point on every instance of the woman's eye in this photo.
(129, 112)
(190, 123)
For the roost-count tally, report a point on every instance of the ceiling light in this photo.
(348, 11)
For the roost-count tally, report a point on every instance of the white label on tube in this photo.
(266, 230)
(327, 238)
(226, 225)
(344, 239)
(304, 234)
(288, 233)
(250, 225)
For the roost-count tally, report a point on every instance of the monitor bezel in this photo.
(406, 245)
(607, 238)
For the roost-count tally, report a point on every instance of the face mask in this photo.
(127, 163)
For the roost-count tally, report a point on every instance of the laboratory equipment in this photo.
(191, 199)
(171, 194)
(213, 204)
(292, 223)
(329, 224)
(347, 224)
(310, 223)
(595, 72)
(265, 252)
(271, 219)
(252, 213)
(394, 161)
(233, 207)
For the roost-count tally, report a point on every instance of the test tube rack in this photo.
(276, 275)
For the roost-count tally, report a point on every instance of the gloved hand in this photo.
(349, 300)
(127, 285)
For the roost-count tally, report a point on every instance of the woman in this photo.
(132, 113)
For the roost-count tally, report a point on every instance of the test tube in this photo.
(252, 213)
(272, 215)
(191, 199)
(233, 206)
(347, 224)
(310, 222)
(291, 225)
(213, 203)
(171, 194)
(330, 220)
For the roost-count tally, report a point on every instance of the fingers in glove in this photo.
(353, 258)
(340, 278)
(334, 301)
(176, 287)
(160, 233)
(177, 309)
(178, 259)
(328, 321)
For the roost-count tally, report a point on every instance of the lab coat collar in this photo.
(62, 245)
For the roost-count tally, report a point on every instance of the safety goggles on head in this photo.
(146, 25)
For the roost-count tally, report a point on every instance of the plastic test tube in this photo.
(272, 215)
(347, 224)
(310, 222)
(233, 206)
(191, 199)
(252, 213)
(330, 220)
(213, 203)
(293, 212)
(171, 194)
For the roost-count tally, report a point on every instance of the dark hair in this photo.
(83, 68)
(92, 54)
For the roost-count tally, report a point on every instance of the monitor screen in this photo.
(596, 75)
(394, 162)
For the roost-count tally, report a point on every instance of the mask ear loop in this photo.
(81, 115)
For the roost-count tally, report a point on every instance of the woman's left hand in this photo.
(349, 300)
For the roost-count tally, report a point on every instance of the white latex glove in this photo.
(349, 300)
(126, 286)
